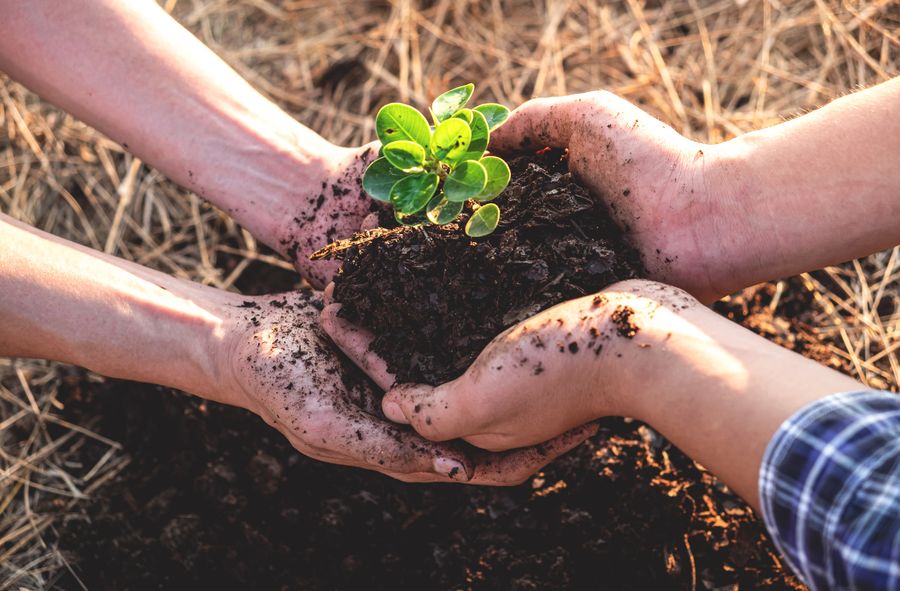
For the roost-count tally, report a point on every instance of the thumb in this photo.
(354, 341)
(541, 123)
(436, 413)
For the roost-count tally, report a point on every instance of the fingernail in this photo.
(393, 412)
(449, 468)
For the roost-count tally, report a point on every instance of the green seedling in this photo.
(429, 171)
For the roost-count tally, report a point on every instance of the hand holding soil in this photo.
(659, 186)
(330, 208)
(569, 365)
(283, 369)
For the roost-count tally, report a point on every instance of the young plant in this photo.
(428, 172)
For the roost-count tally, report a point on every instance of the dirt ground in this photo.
(113, 485)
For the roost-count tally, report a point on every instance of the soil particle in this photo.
(625, 326)
(434, 297)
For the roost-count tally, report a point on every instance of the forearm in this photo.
(131, 71)
(818, 190)
(718, 391)
(68, 303)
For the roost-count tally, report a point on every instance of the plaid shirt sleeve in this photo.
(829, 488)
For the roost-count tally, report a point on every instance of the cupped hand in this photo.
(665, 190)
(281, 366)
(331, 207)
(567, 366)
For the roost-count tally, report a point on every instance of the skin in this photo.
(192, 117)
(197, 121)
(717, 391)
(712, 219)
(266, 354)
(709, 219)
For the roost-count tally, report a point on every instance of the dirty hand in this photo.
(330, 207)
(510, 467)
(562, 368)
(282, 367)
(659, 185)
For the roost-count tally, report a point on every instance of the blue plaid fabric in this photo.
(830, 492)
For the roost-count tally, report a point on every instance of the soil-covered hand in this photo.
(511, 467)
(660, 187)
(330, 208)
(562, 368)
(282, 367)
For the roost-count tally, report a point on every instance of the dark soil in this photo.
(435, 297)
(214, 498)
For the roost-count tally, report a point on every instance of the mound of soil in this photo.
(433, 297)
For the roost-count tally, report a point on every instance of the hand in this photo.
(333, 207)
(281, 367)
(666, 190)
(514, 466)
(562, 368)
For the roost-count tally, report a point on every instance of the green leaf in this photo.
(397, 121)
(481, 135)
(495, 114)
(411, 194)
(498, 177)
(446, 105)
(465, 115)
(442, 211)
(483, 221)
(466, 181)
(405, 155)
(451, 140)
(380, 177)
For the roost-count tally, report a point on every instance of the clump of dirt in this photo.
(435, 297)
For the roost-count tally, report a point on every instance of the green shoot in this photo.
(428, 172)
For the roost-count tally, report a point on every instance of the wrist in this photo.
(267, 177)
(175, 337)
(732, 225)
(642, 333)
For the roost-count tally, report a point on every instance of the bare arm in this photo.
(814, 191)
(817, 190)
(134, 73)
(69, 303)
(713, 388)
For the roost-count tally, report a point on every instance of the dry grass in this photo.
(711, 68)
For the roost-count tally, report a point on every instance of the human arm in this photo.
(639, 349)
(805, 445)
(267, 354)
(817, 190)
(131, 71)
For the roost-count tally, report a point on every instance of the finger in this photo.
(540, 123)
(514, 467)
(436, 413)
(354, 342)
(386, 447)
(328, 294)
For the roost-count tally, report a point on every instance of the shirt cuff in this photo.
(829, 486)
